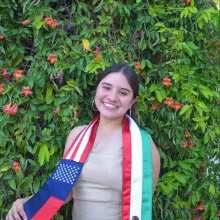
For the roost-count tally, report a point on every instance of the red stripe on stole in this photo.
(89, 144)
(78, 145)
(49, 209)
(71, 146)
(126, 179)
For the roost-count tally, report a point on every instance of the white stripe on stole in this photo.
(77, 141)
(83, 144)
(136, 170)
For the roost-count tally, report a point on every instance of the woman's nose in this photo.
(112, 96)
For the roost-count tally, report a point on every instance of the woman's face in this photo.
(114, 96)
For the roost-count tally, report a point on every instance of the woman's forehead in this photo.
(116, 79)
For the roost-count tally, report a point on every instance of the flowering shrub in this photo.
(51, 55)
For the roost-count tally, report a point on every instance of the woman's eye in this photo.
(106, 88)
(123, 93)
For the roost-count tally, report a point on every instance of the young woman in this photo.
(113, 184)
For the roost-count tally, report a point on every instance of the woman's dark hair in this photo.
(131, 76)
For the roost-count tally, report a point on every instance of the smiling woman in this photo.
(110, 167)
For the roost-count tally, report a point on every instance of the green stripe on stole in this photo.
(147, 186)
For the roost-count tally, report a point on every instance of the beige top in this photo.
(97, 192)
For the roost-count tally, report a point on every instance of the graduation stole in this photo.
(137, 177)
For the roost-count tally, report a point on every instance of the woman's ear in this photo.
(134, 100)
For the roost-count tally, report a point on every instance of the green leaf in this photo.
(212, 189)
(193, 9)
(38, 25)
(160, 24)
(159, 95)
(185, 109)
(12, 184)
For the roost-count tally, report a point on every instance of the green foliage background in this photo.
(169, 38)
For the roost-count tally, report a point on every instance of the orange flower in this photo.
(26, 91)
(142, 73)
(218, 43)
(167, 81)
(26, 22)
(16, 166)
(1, 37)
(96, 52)
(177, 106)
(54, 24)
(1, 88)
(18, 74)
(5, 74)
(169, 101)
(55, 112)
(137, 65)
(184, 144)
(52, 58)
(98, 57)
(10, 110)
(191, 143)
(155, 105)
(50, 22)
(201, 207)
(187, 134)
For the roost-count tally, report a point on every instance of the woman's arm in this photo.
(156, 164)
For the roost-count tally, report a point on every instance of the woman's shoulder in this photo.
(72, 135)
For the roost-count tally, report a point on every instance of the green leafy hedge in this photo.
(51, 55)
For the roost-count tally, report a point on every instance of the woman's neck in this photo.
(107, 126)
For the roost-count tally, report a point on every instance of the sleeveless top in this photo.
(98, 190)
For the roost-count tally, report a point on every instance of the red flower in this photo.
(18, 74)
(26, 22)
(6, 108)
(191, 143)
(77, 114)
(13, 109)
(137, 66)
(5, 74)
(55, 112)
(177, 106)
(1, 88)
(10, 110)
(184, 144)
(218, 214)
(201, 207)
(1, 37)
(26, 91)
(52, 58)
(16, 166)
(169, 101)
(167, 81)
(187, 134)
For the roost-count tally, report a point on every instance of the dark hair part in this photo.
(131, 76)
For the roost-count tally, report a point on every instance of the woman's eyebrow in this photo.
(105, 83)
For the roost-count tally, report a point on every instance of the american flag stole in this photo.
(137, 174)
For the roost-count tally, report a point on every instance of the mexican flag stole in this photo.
(137, 177)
